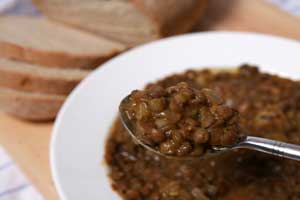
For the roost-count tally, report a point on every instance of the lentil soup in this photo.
(269, 107)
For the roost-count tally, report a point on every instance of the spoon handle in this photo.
(272, 147)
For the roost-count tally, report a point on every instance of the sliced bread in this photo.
(41, 41)
(30, 106)
(35, 78)
(131, 22)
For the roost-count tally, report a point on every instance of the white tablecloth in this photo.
(13, 184)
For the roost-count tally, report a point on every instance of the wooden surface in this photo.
(253, 16)
(28, 143)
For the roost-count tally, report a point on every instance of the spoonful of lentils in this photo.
(184, 122)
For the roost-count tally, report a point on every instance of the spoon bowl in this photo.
(129, 126)
(127, 123)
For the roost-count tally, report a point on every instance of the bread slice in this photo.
(35, 78)
(30, 106)
(40, 41)
(131, 22)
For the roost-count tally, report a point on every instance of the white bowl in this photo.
(79, 134)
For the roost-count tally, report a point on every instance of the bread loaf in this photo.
(131, 22)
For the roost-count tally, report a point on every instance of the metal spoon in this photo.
(273, 147)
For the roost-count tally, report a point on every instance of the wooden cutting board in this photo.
(28, 143)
